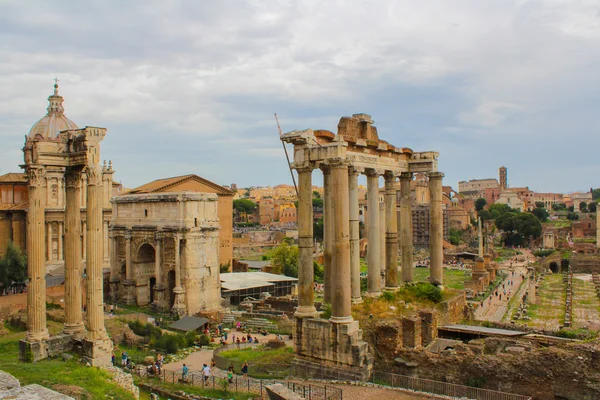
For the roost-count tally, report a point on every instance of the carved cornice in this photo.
(36, 176)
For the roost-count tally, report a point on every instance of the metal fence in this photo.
(245, 385)
(410, 383)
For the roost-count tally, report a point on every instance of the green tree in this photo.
(583, 206)
(319, 272)
(541, 213)
(480, 203)
(13, 266)
(316, 194)
(244, 206)
(572, 216)
(318, 229)
(284, 259)
(592, 207)
(498, 209)
(559, 206)
(317, 203)
(455, 236)
(571, 208)
(595, 194)
(484, 215)
(519, 228)
(539, 204)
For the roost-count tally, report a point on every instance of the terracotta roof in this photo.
(160, 184)
(14, 177)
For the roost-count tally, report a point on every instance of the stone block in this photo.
(429, 326)
(411, 333)
(32, 351)
(280, 392)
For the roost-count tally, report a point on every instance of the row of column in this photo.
(36, 244)
(341, 236)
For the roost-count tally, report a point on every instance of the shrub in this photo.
(146, 330)
(388, 296)
(425, 291)
(543, 253)
(204, 340)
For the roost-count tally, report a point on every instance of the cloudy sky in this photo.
(191, 87)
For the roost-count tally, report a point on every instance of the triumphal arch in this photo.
(335, 345)
(72, 153)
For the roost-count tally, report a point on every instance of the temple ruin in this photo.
(336, 344)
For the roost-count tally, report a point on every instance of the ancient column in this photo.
(94, 256)
(84, 234)
(391, 233)
(179, 292)
(306, 294)
(327, 233)
(49, 241)
(129, 283)
(159, 287)
(436, 229)
(382, 225)
(73, 316)
(598, 226)
(340, 286)
(480, 233)
(114, 268)
(354, 235)
(406, 232)
(60, 241)
(373, 240)
(36, 257)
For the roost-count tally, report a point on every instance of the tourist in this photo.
(229, 376)
(243, 339)
(249, 339)
(123, 358)
(245, 369)
(213, 364)
(233, 338)
(206, 372)
(112, 360)
(184, 372)
(256, 340)
(500, 296)
(238, 342)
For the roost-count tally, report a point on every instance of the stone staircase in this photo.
(261, 323)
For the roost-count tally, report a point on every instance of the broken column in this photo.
(73, 315)
(406, 241)
(391, 234)
(306, 300)
(373, 239)
(436, 229)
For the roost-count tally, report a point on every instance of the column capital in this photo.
(36, 175)
(377, 172)
(73, 177)
(354, 170)
(435, 175)
(93, 173)
(127, 236)
(406, 175)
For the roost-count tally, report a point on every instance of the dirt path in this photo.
(495, 306)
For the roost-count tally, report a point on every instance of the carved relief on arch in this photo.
(139, 241)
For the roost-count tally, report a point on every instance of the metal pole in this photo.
(286, 155)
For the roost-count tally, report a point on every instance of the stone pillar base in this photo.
(179, 309)
(159, 304)
(129, 296)
(97, 352)
(76, 330)
(357, 300)
(329, 346)
(32, 351)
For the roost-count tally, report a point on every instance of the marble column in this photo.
(73, 315)
(382, 225)
(129, 283)
(105, 252)
(179, 292)
(436, 229)
(327, 233)
(373, 239)
(306, 293)
(84, 234)
(406, 231)
(354, 235)
(340, 286)
(36, 257)
(60, 241)
(391, 233)
(94, 256)
(49, 241)
(114, 268)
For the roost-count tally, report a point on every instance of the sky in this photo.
(191, 87)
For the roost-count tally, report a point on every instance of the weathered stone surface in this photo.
(124, 380)
(7, 381)
(10, 388)
(280, 392)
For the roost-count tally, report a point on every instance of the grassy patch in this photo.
(65, 376)
(453, 278)
(260, 355)
(206, 392)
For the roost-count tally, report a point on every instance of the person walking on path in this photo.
(206, 373)
(123, 358)
(184, 372)
(245, 369)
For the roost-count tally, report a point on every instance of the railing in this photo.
(246, 385)
(411, 383)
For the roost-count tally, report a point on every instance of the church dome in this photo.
(54, 121)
